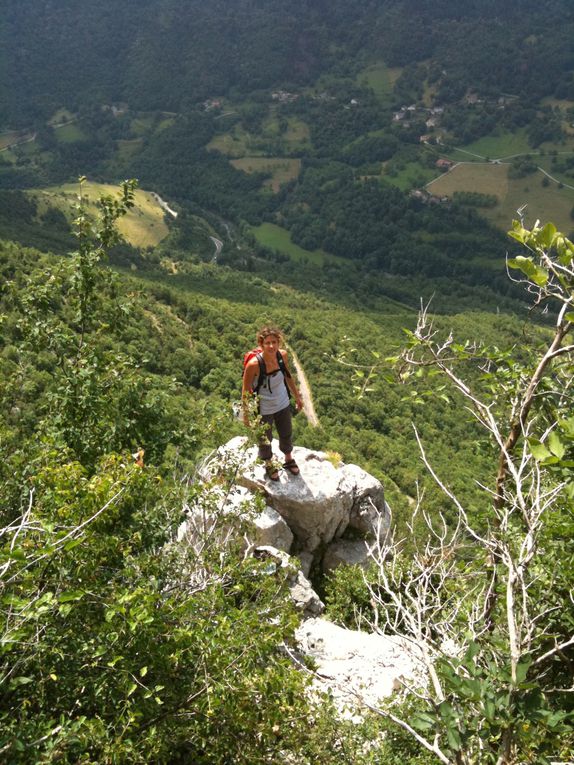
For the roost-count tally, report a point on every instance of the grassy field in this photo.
(143, 226)
(238, 142)
(380, 78)
(70, 133)
(495, 146)
(486, 178)
(297, 133)
(235, 143)
(549, 203)
(279, 239)
(59, 117)
(546, 203)
(281, 170)
(412, 175)
(12, 137)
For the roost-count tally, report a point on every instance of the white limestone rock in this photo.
(271, 529)
(306, 561)
(318, 505)
(357, 667)
(369, 513)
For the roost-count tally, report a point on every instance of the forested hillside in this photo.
(208, 49)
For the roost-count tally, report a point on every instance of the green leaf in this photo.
(522, 264)
(546, 236)
(21, 681)
(71, 544)
(540, 276)
(555, 445)
(522, 670)
(65, 597)
(536, 274)
(472, 651)
(453, 738)
(518, 232)
(489, 710)
(423, 721)
(538, 450)
(567, 427)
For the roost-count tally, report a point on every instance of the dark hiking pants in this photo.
(282, 421)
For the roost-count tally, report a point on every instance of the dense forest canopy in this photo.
(168, 55)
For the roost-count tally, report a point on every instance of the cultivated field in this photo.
(546, 203)
(143, 226)
(486, 178)
(281, 170)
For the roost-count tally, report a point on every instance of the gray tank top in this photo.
(273, 395)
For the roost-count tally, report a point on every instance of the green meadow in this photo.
(504, 144)
(60, 117)
(236, 143)
(281, 170)
(69, 133)
(276, 238)
(143, 226)
(412, 175)
(380, 78)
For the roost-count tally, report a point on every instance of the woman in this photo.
(267, 376)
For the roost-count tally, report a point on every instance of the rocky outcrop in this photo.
(357, 668)
(328, 515)
(321, 505)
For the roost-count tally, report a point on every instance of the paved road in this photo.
(218, 247)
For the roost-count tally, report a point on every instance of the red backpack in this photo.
(258, 354)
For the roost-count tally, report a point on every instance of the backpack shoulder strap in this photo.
(262, 372)
(281, 364)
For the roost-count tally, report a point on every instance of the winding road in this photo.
(218, 247)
